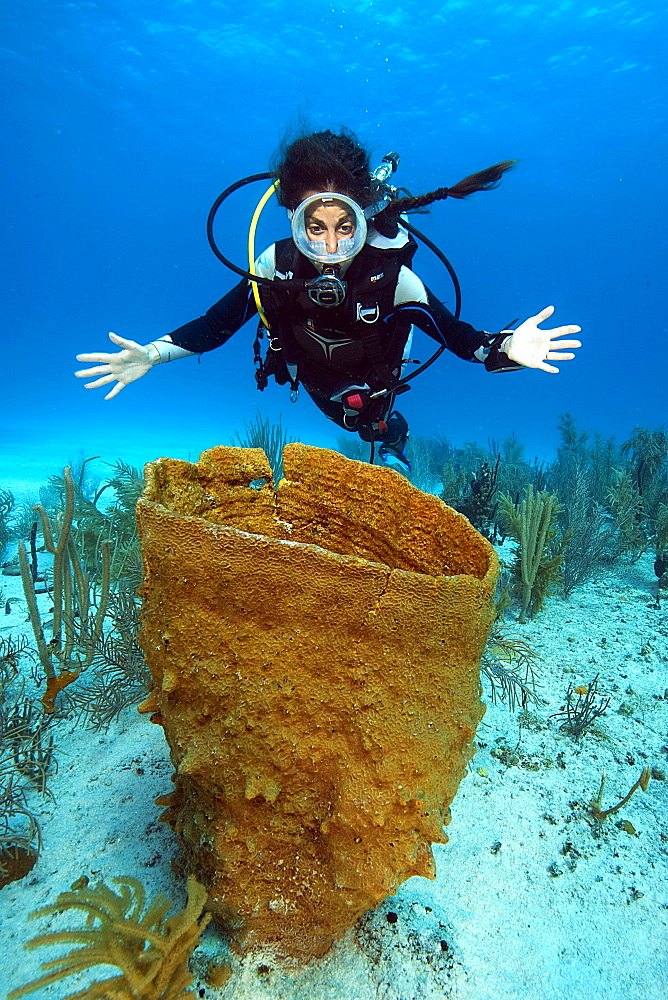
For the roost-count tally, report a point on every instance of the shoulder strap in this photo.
(371, 279)
(372, 299)
(290, 263)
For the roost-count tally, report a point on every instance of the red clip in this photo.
(355, 401)
(382, 426)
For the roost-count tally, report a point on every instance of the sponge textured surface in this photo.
(315, 652)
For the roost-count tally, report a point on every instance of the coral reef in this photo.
(315, 651)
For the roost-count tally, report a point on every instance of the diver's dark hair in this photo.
(484, 180)
(326, 161)
(323, 161)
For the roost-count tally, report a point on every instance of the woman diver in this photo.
(338, 300)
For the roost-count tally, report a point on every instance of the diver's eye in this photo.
(347, 228)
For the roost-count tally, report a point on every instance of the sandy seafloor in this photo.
(528, 902)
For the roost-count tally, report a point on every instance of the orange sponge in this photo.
(315, 651)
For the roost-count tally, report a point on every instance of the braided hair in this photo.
(484, 180)
(326, 161)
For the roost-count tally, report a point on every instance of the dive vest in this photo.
(329, 348)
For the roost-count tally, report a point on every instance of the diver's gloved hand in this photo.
(126, 366)
(533, 347)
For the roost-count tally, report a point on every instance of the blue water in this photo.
(120, 124)
(123, 121)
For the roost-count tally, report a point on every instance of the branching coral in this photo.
(26, 758)
(271, 437)
(479, 503)
(6, 507)
(591, 533)
(578, 716)
(647, 452)
(116, 521)
(71, 592)
(120, 674)
(509, 663)
(600, 814)
(150, 949)
(661, 544)
(627, 511)
(533, 522)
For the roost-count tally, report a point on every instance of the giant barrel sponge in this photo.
(315, 651)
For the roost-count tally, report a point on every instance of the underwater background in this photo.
(123, 121)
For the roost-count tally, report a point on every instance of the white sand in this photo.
(528, 903)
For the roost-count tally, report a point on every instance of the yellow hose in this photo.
(251, 248)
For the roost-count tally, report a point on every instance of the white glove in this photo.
(532, 347)
(128, 365)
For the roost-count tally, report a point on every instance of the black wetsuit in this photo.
(323, 350)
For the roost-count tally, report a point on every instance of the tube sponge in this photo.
(315, 652)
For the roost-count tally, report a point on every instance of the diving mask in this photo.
(316, 250)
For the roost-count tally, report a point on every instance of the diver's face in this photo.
(329, 223)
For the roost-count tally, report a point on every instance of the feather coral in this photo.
(150, 949)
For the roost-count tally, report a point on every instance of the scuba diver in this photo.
(338, 301)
